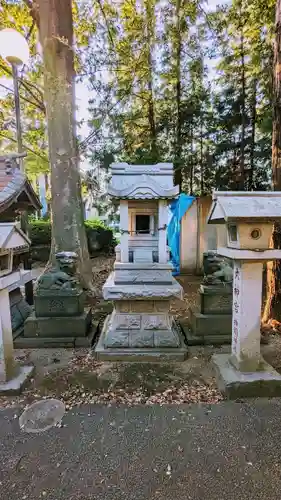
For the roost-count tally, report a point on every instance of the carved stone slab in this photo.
(155, 322)
(116, 338)
(127, 321)
(141, 339)
(166, 338)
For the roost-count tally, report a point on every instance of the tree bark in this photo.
(191, 173)
(178, 152)
(201, 156)
(243, 111)
(149, 8)
(253, 135)
(56, 37)
(273, 303)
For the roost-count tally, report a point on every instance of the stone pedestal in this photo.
(245, 373)
(60, 317)
(140, 326)
(211, 322)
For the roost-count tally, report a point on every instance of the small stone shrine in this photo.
(249, 219)
(141, 285)
(210, 323)
(60, 316)
(12, 376)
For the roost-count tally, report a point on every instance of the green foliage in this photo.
(168, 81)
(100, 237)
(187, 86)
(97, 224)
(40, 232)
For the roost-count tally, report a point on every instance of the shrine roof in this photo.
(142, 182)
(14, 183)
(11, 236)
(245, 206)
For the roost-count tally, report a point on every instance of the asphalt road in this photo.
(226, 451)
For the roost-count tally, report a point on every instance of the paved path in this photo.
(227, 451)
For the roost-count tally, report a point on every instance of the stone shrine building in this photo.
(141, 284)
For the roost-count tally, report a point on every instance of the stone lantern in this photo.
(141, 285)
(246, 222)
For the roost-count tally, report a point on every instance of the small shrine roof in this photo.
(142, 182)
(245, 206)
(11, 236)
(13, 184)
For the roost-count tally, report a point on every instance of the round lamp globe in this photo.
(13, 47)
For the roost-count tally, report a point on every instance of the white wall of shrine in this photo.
(196, 236)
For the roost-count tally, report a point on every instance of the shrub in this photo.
(40, 232)
(100, 237)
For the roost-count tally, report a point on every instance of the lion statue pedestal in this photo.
(60, 317)
(211, 321)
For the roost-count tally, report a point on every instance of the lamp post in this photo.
(14, 49)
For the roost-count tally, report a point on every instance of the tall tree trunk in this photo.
(56, 37)
(191, 173)
(253, 134)
(150, 19)
(243, 110)
(273, 304)
(201, 156)
(178, 151)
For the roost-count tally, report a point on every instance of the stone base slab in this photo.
(142, 276)
(112, 291)
(235, 384)
(207, 339)
(55, 342)
(16, 384)
(76, 326)
(139, 353)
(210, 324)
(132, 266)
(41, 342)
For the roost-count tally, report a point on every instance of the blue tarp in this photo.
(178, 208)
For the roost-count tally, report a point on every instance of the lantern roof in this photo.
(245, 206)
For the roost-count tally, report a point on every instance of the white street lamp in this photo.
(14, 49)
